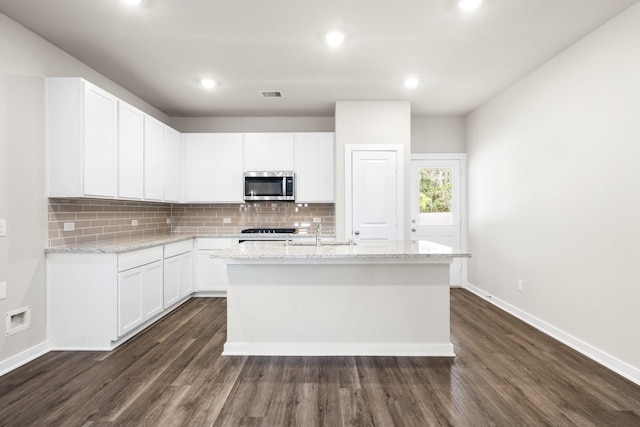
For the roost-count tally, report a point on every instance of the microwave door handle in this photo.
(284, 186)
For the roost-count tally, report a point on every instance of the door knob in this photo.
(413, 229)
(413, 221)
(357, 232)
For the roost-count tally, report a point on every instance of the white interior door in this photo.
(436, 214)
(374, 196)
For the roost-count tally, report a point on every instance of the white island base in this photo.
(338, 307)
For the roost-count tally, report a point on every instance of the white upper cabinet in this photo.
(171, 165)
(130, 151)
(199, 154)
(99, 146)
(228, 181)
(268, 152)
(213, 168)
(153, 159)
(81, 126)
(314, 167)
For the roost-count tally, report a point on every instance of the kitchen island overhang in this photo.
(388, 299)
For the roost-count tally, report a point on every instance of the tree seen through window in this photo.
(435, 190)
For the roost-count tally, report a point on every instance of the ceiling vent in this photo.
(271, 93)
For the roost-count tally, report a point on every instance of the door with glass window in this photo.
(436, 206)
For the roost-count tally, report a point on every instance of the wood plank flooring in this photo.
(505, 374)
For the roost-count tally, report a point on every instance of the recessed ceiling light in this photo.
(208, 83)
(469, 4)
(334, 38)
(411, 82)
(131, 2)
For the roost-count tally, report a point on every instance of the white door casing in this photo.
(447, 228)
(374, 194)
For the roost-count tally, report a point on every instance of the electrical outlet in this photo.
(134, 222)
(520, 285)
(316, 219)
(226, 220)
(3, 227)
(3, 290)
(69, 226)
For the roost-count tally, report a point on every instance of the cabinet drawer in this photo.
(173, 249)
(214, 243)
(140, 257)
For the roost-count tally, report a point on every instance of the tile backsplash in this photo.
(233, 218)
(96, 220)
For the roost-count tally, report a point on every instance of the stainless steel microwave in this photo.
(269, 185)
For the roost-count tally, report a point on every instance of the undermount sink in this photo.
(324, 243)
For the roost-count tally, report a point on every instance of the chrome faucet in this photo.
(319, 236)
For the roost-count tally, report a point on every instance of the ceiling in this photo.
(162, 48)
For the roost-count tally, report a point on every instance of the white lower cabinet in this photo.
(211, 272)
(95, 301)
(178, 272)
(139, 290)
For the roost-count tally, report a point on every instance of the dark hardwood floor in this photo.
(505, 374)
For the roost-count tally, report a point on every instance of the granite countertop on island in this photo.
(414, 249)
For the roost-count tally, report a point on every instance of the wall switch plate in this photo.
(134, 222)
(520, 285)
(69, 226)
(316, 219)
(226, 220)
(3, 227)
(3, 290)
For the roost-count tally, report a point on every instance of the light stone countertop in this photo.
(120, 244)
(416, 250)
(142, 242)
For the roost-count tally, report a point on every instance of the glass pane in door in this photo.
(435, 196)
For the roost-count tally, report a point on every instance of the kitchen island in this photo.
(382, 299)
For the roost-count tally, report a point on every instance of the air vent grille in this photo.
(271, 93)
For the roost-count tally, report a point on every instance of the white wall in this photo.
(369, 122)
(554, 192)
(27, 59)
(254, 124)
(438, 134)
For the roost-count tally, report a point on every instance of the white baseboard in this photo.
(24, 357)
(210, 294)
(338, 349)
(616, 365)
